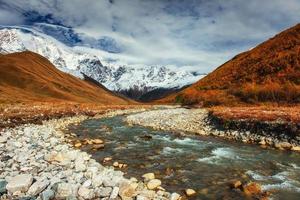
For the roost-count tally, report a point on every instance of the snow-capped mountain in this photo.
(77, 58)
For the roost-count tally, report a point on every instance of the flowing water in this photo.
(205, 164)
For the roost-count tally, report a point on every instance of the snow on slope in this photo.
(78, 59)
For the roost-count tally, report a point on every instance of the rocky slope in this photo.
(269, 72)
(27, 76)
(68, 53)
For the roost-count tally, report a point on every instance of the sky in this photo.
(196, 34)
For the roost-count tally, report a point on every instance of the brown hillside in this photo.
(268, 73)
(27, 76)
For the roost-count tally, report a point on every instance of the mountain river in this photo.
(205, 164)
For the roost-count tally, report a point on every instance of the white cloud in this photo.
(198, 33)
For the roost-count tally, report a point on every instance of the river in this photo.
(204, 163)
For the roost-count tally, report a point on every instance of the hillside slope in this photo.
(27, 76)
(269, 72)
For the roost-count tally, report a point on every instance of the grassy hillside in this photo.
(27, 76)
(268, 73)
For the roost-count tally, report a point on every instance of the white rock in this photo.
(87, 183)
(79, 165)
(97, 181)
(3, 139)
(114, 193)
(190, 192)
(174, 196)
(149, 176)
(154, 183)
(38, 187)
(19, 183)
(65, 190)
(86, 193)
(104, 191)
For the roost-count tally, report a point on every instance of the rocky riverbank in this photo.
(201, 122)
(37, 162)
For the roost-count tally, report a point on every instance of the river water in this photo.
(205, 164)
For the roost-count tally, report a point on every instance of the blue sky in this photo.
(195, 33)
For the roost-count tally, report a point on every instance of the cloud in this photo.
(197, 33)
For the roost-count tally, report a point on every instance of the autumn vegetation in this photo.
(267, 74)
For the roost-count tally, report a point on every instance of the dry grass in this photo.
(259, 113)
(35, 112)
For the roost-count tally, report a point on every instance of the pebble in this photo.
(190, 192)
(114, 193)
(149, 176)
(38, 187)
(47, 194)
(154, 183)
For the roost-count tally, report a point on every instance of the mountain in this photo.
(270, 72)
(27, 76)
(75, 54)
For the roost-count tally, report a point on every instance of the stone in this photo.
(126, 191)
(86, 193)
(98, 146)
(77, 145)
(107, 159)
(283, 145)
(97, 181)
(87, 183)
(295, 148)
(114, 193)
(116, 164)
(3, 139)
(79, 164)
(47, 194)
(65, 190)
(3, 184)
(19, 183)
(154, 183)
(235, 184)
(104, 191)
(38, 187)
(174, 196)
(97, 141)
(149, 176)
(190, 192)
(140, 197)
(252, 188)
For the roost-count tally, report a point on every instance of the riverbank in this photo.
(38, 162)
(203, 122)
(12, 115)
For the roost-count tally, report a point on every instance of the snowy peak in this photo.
(83, 59)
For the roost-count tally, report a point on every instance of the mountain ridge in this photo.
(270, 72)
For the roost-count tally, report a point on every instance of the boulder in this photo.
(38, 187)
(19, 183)
(154, 183)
